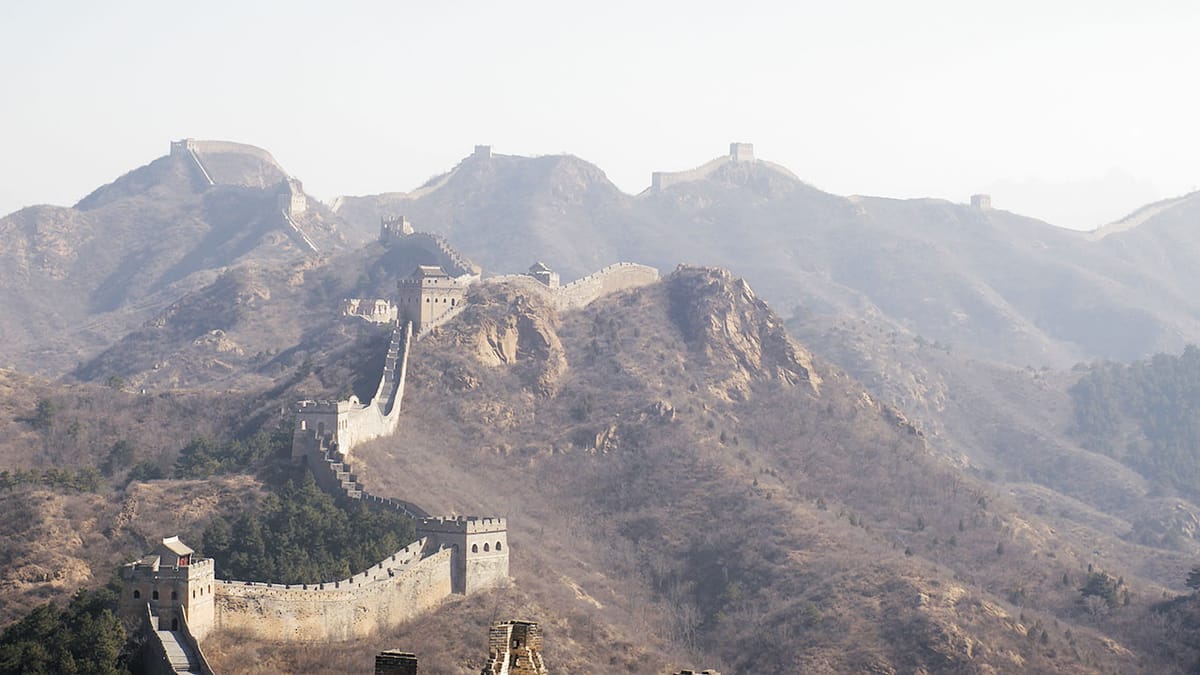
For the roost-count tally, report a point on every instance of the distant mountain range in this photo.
(991, 283)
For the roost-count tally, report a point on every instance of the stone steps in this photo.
(179, 655)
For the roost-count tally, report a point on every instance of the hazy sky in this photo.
(917, 98)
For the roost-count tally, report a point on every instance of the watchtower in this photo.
(981, 202)
(479, 549)
(394, 228)
(544, 274)
(427, 295)
(483, 152)
(290, 198)
(175, 584)
(515, 648)
(183, 146)
(741, 152)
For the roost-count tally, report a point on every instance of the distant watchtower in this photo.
(175, 584)
(394, 228)
(981, 202)
(741, 152)
(540, 271)
(483, 152)
(427, 295)
(291, 199)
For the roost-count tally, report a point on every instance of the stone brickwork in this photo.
(374, 310)
(479, 545)
(290, 198)
(174, 583)
(397, 589)
(582, 292)
(457, 265)
(515, 648)
(427, 296)
(321, 425)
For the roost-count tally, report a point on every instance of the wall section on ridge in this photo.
(381, 598)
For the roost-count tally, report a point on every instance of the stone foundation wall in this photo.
(379, 599)
(582, 292)
(618, 277)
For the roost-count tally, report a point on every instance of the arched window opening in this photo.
(499, 546)
(174, 595)
(136, 594)
(474, 548)
(154, 595)
(486, 548)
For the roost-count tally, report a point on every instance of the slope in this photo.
(993, 283)
(74, 279)
(670, 455)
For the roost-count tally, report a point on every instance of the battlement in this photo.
(183, 146)
(741, 152)
(393, 228)
(515, 648)
(374, 310)
(462, 525)
(290, 198)
(326, 406)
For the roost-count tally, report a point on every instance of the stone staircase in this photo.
(339, 469)
(179, 655)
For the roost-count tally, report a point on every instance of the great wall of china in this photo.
(179, 600)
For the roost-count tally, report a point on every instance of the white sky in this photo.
(917, 98)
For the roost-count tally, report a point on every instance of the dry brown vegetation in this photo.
(746, 519)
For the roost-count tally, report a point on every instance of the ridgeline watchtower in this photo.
(427, 295)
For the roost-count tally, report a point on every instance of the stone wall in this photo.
(374, 310)
(582, 292)
(390, 593)
(661, 180)
(349, 423)
(618, 277)
(456, 264)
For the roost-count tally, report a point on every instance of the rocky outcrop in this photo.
(732, 330)
(504, 327)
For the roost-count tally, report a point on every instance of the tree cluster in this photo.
(302, 536)
(84, 637)
(1160, 399)
(203, 457)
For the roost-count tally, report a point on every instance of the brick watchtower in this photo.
(175, 584)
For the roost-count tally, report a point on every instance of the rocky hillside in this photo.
(992, 283)
(671, 454)
(72, 280)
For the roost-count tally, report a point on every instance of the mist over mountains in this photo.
(842, 433)
(993, 283)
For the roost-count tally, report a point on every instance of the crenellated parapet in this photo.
(614, 278)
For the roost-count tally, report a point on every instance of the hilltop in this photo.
(993, 283)
(73, 279)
